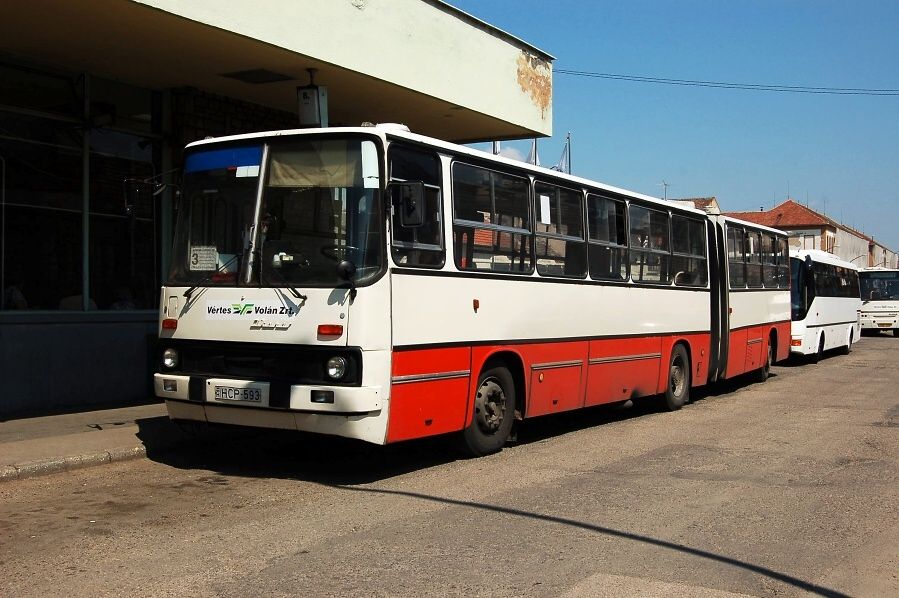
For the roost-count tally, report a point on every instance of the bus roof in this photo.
(389, 131)
(823, 257)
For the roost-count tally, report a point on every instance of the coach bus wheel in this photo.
(848, 348)
(494, 413)
(677, 393)
(819, 354)
(762, 373)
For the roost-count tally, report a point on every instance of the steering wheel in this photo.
(337, 252)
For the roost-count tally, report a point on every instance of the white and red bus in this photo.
(880, 299)
(825, 303)
(381, 285)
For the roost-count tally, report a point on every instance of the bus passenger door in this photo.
(719, 303)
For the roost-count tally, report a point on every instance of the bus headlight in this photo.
(336, 368)
(170, 358)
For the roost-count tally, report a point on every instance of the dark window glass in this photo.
(491, 228)
(42, 217)
(689, 260)
(801, 293)
(783, 262)
(418, 245)
(769, 262)
(736, 257)
(753, 241)
(607, 238)
(123, 249)
(558, 219)
(650, 251)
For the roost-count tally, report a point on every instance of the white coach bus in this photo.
(381, 285)
(880, 299)
(825, 303)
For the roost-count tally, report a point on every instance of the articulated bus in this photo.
(880, 299)
(825, 303)
(381, 285)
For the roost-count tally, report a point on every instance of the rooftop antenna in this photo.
(665, 184)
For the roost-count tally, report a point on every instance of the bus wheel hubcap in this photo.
(490, 406)
(677, 378)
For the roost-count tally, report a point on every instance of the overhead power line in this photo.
(856, 91)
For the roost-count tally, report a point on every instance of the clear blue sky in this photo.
(748, 148)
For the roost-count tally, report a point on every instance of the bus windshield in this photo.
(799, 290)
(879, 285)
(313, 204)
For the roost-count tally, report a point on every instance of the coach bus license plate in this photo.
(884, 324)
(236, 391)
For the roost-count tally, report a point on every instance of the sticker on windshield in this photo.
(204, 257)
(246, 171)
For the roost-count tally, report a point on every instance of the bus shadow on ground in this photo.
(264, 453)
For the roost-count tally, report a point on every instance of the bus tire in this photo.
(494, 413)
(677, 391)
(763, 372)
(848, 348)
(819, 354)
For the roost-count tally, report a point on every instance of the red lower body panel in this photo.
(432, 389)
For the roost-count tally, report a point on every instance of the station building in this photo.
(97, 95)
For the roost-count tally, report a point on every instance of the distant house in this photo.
(707, 204)
(809, 229)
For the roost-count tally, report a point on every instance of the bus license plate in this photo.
(231, 393)
(884, 324)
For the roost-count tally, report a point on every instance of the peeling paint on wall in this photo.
(535, 79)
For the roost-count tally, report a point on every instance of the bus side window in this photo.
(607, 237)
(736, 258)
(491, 228)
(559, 227)
(689, 253)
(422, 245)
(650, 260)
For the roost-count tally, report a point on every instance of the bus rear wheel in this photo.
(677, 392)
(819, 354)
(762, 373)
(494, 413)
(848, 348)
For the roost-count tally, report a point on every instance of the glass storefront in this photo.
(68, 144)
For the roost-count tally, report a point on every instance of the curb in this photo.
(32, 469)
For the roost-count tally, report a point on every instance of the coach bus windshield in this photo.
(800, 295)
(879, 285)
(317, 206)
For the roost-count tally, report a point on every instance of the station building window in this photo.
(68, 142)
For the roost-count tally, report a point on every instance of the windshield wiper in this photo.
(206, 279)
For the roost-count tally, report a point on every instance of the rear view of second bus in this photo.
(825, 303)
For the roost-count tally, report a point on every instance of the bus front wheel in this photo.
(677, 393)
(494, 413)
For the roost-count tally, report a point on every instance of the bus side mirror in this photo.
(408, 198)
(140, 195)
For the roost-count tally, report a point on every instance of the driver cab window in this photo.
(422, 245)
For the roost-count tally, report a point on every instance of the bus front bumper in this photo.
(226, 392)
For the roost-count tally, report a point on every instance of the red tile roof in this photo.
(789, 214)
